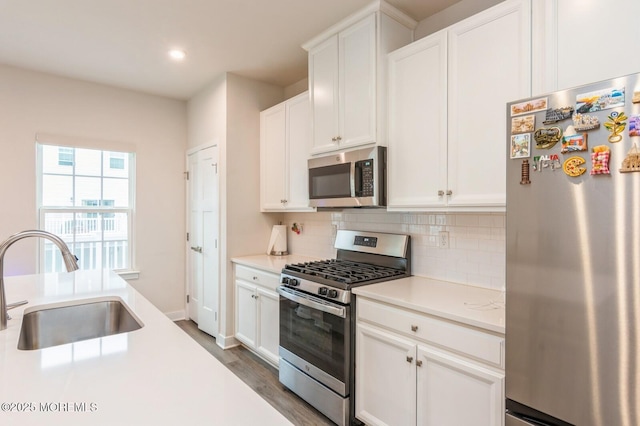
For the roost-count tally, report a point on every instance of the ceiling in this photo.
(124, 43)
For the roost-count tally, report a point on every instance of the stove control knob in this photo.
(285, 280)
(293, 282)
(333, 293)
(323, 291)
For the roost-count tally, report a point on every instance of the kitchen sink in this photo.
(46, 326)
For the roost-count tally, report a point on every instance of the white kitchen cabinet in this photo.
(285, 144)
(257, 312)
(347, 77)
(447, 115)
(584, 42)
(440, 372)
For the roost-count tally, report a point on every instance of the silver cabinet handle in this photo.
(197, 249)
(409, 359)
(414, 328)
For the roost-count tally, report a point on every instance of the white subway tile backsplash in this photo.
(476, 253)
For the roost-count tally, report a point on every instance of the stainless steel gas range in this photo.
(317, 317)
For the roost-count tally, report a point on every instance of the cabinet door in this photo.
(272, 158)
(323, 83)
(357, 81)
(298, 151)
(246, 313)
(489, 65)
(268, 324)
(417, 154)
(455, 391)
(573, 30)
(385, 378)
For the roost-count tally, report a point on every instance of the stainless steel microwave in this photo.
(349, 179)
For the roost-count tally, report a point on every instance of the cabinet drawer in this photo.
(454, 337)
(258, 277)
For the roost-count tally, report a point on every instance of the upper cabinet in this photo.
(285, 142)
(447, 114)
(582, 42)
(347, 77)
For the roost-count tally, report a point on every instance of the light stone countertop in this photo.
(272, 264)
(156, 375)
(474, 306)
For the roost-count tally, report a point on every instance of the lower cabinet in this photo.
(257, 312)
(420, 370)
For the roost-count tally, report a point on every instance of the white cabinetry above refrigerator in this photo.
(447, 94)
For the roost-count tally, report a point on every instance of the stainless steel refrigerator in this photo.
(573, 257)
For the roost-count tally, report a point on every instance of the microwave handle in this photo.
(357, 179)
(292, 295)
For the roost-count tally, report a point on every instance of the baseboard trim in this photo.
(176, 315)
(226, 342)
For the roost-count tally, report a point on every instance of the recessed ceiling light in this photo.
(177, 54)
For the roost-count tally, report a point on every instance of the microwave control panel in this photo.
(364, 170)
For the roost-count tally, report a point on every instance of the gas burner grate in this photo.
(344, 271)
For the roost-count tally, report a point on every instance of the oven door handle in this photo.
(305, 300)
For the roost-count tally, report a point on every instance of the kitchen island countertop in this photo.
(475, 306)
(152, 376)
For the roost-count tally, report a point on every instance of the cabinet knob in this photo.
(449, 192)
(440, 193)
(333, 139)
(338, 138)
(419, 363)
(197, 249)
(255, 278)
(414, 328)
(409, 359)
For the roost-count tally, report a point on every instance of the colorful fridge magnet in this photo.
(582, 122)
(524, 173)
(553, 115)
(634, 125)
(524, 124)
(547, 137)
(616, 125)
(631, 162)
(572, 166)
(521, 145)
(600, 160)
(530, 106)
(551, 162)
(599, 100)
(574, 143)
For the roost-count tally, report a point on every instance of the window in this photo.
(86, 198)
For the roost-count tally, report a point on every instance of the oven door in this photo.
(315, 337)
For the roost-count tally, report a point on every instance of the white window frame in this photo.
(64, 142)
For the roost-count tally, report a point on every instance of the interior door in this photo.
(203, 254)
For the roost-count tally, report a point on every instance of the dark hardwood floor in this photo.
(260, 376)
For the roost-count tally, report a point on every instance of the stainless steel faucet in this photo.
(70, 262)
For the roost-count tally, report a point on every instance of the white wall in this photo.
(227, 112)
(32, 102)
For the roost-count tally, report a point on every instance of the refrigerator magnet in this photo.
(574, 143)
(553, 115)
(573, 166)
(616, 125)
(600, 160)
(521, 146)
(634, 125)
(524, 124)
(631, 162)
(547, 137)
(582, 122)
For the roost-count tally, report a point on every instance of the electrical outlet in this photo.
(443, 239)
